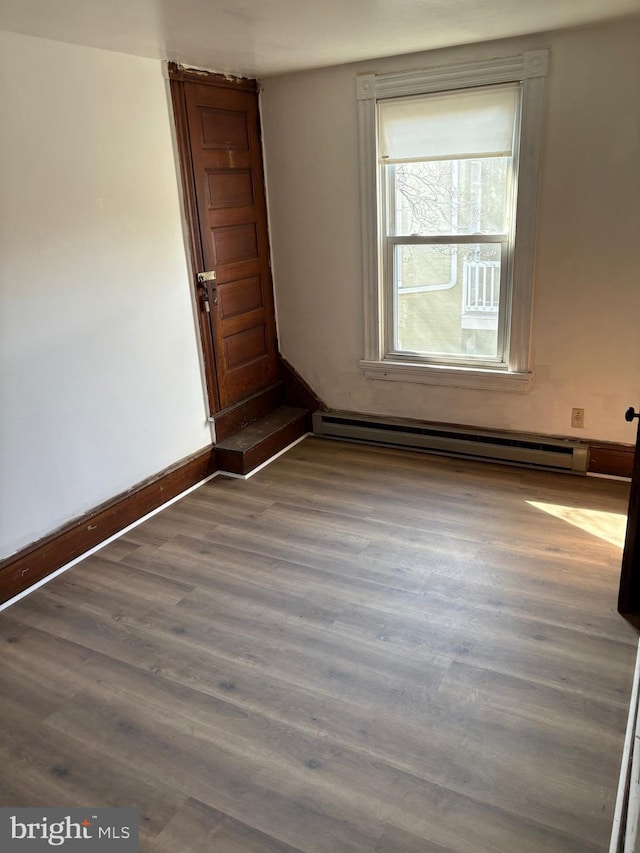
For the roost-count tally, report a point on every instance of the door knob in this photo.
(630, 414)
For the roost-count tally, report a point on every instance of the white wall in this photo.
(99, 371)
(586, 350)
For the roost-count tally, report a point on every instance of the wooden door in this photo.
(629, 596)
(219, 137)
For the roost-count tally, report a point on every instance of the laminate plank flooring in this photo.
(357, 650)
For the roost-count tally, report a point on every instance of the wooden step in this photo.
(240, 415)
(243, 451)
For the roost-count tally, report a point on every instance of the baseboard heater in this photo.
(515, 448)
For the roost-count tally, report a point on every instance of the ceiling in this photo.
(258, 38)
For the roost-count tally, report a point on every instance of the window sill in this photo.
(483, 379)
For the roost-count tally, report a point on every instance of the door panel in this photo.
(223, 129)
(235, 243)
(233, 188)
(240, 297)
(226, 160)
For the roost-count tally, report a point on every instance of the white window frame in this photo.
(529, 69)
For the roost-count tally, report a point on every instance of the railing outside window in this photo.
(481, 286)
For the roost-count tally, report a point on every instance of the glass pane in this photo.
(447, 299)
(450, 196)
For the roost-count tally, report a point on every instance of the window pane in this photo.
(450, 197)
(447, 299)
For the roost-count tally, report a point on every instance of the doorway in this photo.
(218, 130)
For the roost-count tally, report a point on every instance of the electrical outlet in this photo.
(577, 418)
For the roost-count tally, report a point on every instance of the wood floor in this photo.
(355, 650)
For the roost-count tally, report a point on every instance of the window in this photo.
(449, 170)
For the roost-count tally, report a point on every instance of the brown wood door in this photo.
(221, 141)
(629, 596)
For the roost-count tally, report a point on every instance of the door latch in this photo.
(203, 279)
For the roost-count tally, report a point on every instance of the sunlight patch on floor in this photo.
(610, 526)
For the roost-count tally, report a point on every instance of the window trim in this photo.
(530, 69)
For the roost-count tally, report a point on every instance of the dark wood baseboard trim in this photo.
(297, 392)
(612, 459)
(19, 571)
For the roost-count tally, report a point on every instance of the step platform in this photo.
(243, 451)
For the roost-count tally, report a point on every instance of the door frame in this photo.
(178, 76)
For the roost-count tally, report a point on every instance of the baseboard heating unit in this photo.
(513, 448)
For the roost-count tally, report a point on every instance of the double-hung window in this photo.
(449, 171)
